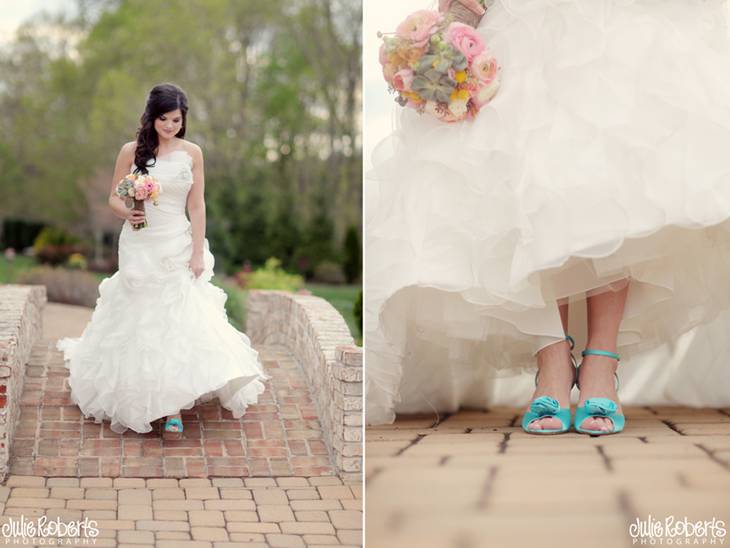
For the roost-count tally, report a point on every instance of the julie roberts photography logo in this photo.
(677, 532)
(49, 532)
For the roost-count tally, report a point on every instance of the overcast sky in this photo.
(14, 12)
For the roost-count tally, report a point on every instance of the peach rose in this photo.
(419, 26)
(403, 79)
(485, 67)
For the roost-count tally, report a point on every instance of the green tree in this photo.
(352, 255)
(274, 103)
(319, 239)
(284, 236)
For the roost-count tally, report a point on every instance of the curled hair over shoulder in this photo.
(162, 98)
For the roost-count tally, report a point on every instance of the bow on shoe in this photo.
(600, 406)
(545, 405)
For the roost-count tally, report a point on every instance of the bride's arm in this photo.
(120, 209)
(196, 211)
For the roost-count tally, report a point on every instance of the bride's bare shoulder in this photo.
(193, 149)
(127, 150)
(196, 153)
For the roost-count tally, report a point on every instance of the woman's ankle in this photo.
(607, 344)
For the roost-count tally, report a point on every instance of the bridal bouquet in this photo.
(438, 65)
(138, 188)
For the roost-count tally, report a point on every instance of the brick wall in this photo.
(319, 338)
(20, 327)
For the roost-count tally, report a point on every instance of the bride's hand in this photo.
(472, 5)
(135, 217)
(197, 265)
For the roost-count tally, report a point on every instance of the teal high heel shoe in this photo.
(546, 406)
(599, 407)
(173, 434)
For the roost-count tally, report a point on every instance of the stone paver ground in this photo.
(477, 480)
(262, 480)
(194, 513)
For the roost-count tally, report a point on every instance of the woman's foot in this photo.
(555, 379)
(596, 380)
(173, 430)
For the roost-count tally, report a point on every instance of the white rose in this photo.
(485, 93)
(458, 108)
(430, 108)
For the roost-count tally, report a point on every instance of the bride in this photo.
(596, 180)
(159, 340)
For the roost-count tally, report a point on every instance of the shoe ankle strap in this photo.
(606, 353)
(570, 340)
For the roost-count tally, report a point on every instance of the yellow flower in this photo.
(460, 76)
(412, 96)
(460, 95)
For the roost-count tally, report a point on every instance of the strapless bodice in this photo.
(175, 175)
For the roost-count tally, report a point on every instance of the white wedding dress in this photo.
(159, 339)
(604, 155)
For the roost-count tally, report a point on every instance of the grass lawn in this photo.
(342, 297)
(9, 271)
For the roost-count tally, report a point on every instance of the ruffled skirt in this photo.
(603, 157)
(159, 339)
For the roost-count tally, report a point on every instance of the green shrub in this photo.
(77, 262)
(318, 243)
(357, 311)
(270, 276)
(54, 246)
(329, 272)
(64, 286)
(353, 260)
(235, 303)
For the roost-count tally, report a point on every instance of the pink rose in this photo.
(465, 39)
(484, 67)
(419, 26)
(139, 194)
(403, 79)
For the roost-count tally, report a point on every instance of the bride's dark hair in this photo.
(162, 98)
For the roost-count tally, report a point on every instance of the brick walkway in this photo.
(262, 480)
(194, 513)
(477, 480)
(278, 436)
